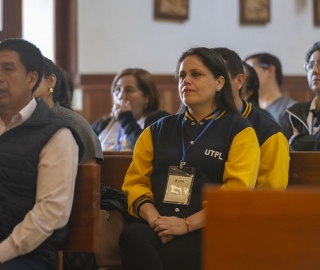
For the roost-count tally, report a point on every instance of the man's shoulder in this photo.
(282, 102)
(261, 120)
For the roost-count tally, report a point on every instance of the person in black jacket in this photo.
(135, 107)
(39, 154)
(301, 121)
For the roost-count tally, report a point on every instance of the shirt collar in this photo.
(313, 104)
(188, 115)
(28, 110)
(23, 115)
(310, 117)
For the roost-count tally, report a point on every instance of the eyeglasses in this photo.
(262, 65)
(309, 66)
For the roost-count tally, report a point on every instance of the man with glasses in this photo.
(268, 68)
(302, 121)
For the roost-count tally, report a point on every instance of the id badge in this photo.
(179, 185)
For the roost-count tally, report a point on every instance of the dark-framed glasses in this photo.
(309, 66)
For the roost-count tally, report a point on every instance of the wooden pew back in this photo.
(262, 229)
(84, 218)
(114, 168)
(304, 168)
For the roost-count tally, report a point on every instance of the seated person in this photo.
(135, 107)
(269, 70)
(274, 148)
(210, 142)
(39, 157)
(250, 88)
(54, 91)
(301, 121)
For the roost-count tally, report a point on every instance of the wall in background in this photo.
(115, 34)
(38, 24)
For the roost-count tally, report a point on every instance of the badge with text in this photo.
(179, 185)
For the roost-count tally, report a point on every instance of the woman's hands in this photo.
(168, 227)
(120, 107)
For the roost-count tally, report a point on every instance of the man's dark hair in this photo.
(30, 56)
(314, 48)
(269, 60)
(232, 60)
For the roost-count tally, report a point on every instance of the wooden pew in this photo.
(262, 229)
(114, 168)
(304, 168)
(84, 219)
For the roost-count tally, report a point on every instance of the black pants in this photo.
(141, 249)
(23, 263)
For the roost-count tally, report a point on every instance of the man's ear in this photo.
(271, 71)
(32, 79)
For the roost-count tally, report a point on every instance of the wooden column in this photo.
(11, 19)
(66, 37)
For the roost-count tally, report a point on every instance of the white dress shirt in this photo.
(57, 170)
(310, 119)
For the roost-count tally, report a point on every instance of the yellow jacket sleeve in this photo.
(274, 163)
(241, 168)
(137, 185)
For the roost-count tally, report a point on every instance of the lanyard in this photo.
(184, 150)
(118, 148)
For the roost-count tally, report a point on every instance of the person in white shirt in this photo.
(269, 70)
(38, 164)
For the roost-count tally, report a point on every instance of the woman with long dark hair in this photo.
(208, 142)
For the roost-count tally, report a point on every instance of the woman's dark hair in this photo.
(314, 48)
(252, 83)
(146, 84)
(214, 62)
(60, 90)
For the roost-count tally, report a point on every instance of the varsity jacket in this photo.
(227, 154)
(20, 149)
(274, 149)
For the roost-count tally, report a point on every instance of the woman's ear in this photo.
(146, 98)
(52, 79)
(219, 83)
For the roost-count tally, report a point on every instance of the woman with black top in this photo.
(173, 158)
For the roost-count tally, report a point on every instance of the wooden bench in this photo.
(262, 229)
(114, 168)
(304, 168)
(84, 219)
